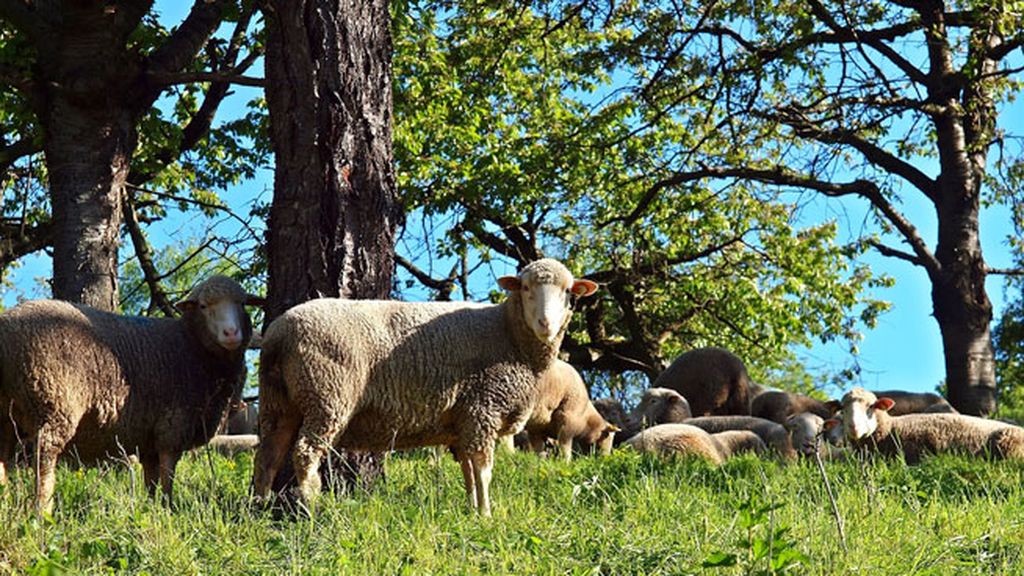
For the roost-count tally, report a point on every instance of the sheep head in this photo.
(804, 431)
(662, 406)
(546, 288)
(214, 309)
(860, 413)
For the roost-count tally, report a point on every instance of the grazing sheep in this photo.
(915, 402)
(231, 444)
(867, 424)
(779, 405)
(563, 411)
(772, 433)
(99, 384)
(378, 375)
(713, 380)
(677, 440)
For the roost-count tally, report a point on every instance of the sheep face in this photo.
(214, 307)
(804, 431)
(546, 288)
(859, 413)
(662, 406)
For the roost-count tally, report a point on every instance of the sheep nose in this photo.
(231, 332)
(544, 323)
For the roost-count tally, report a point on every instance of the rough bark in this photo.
(85, 104)
(334, 213)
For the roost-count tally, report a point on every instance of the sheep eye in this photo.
(526, 288)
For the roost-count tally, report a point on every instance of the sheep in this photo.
(867, 424)
(915, 402)
(713, 380)
(772, 433)
(661, 406)
(676, 439)
(779, 405)
(563, 411)
(378, 375)
(612, 411)
(231, 444)
(243, 420)
(686, 440)
(79, 379)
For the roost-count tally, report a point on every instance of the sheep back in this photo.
(772, 433)
(713, 380)
(779, 405)
(676, 439)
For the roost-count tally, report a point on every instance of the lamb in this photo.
(377, 375)
(867, 424)
(563, 411)
(79, 379)
(916, 402)
(772, 433)
(779, 405)
(713, 380)
(686, 440)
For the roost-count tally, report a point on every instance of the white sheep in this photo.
(773, 434)
(563, 411)
(79, 379)
(686, 440)
(378, 375)
(867, 424)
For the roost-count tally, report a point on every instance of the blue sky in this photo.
(903, 351)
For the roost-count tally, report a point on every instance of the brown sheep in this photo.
(773, 434)
(377, 375)
(779, 405)
(867, 424)
(915, 402)
(713, 380)
(686, 440)
(563, 411)
(79, 379)
(242, 420)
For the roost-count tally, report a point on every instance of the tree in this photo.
(334, 213)
(515, 140)
(80, 80)
(884, 102)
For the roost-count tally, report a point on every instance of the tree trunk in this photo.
(963, 310)
(86, 107)
(333, 217)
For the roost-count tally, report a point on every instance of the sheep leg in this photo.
(565, 446)
(536, 441)
(150, 471)
(168, 462)
(467, 477)
(316, 437)
(7, 442)
(277, 434)
(483, 462)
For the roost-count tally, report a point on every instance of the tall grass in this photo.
(627, 514)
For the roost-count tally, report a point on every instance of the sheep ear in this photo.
(254, 300)
(884, 404)
(834, 405)
(510, 283)
(613, 428)
(186, 306)
(583, 287)
(830, 424)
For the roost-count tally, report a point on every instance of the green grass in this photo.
(626, 514)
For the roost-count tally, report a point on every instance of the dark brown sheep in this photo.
(915, 402)
(713, 380)
(78, 379)
(779, 405)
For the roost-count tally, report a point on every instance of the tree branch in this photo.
(18, 14)
(1005, 271)
(444, 287)
(184, 43)
(10, 154)
(17, 240)
(171, 78)
(894, 253)
(157, 295)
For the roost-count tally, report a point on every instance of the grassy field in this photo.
(625, 514)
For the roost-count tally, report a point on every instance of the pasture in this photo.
(626, 514)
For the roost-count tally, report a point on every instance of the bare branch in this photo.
(169, 79)
(1005, 271)
(157, 295)
(200, 203)
(10, 154)
(894, 253)
(17, 240)
(445, 287)
(184, 43)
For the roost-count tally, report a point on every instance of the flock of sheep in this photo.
(384, 375)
